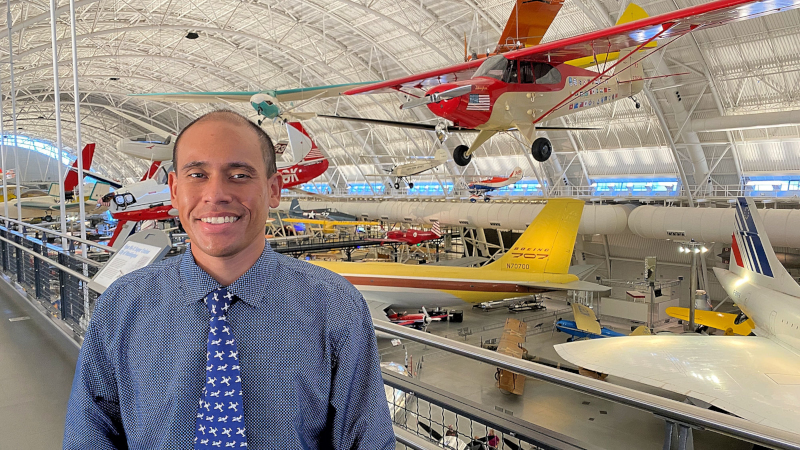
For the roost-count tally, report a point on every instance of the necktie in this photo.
(220, 421)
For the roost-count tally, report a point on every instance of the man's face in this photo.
(221, 189)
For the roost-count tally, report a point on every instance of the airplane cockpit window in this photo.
(161, 174)
(493, 67)
(546, 74)
(526, 72)
(740, 319)
(511, 75)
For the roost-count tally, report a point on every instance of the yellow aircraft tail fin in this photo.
(546, 246)
(632, 13)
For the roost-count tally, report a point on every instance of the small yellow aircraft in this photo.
(729, 323)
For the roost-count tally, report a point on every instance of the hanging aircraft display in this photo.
(753, 377)
(520, 89)
(412, 237)
(402, 172)
(480, 189)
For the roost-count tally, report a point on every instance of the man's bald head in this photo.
(234, 118)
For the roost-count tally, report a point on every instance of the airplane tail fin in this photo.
(632, 13)
(151, 171)
(752, 254)
(546, 246)
(516, 174)
(71, 180)
(295, 207)
(301, 143)
(527, 24)
(437, 229)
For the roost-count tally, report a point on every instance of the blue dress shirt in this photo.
(309, 362)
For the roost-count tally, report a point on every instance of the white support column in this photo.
(13, 93)
(57, 100)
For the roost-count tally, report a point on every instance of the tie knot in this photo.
(218, 302)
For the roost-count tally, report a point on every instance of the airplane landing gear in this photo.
(396, 185)
(411, 185)
(541, 149)
(48, 218)
(459, 155)
(636, 102)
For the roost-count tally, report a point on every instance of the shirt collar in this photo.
(251, 287)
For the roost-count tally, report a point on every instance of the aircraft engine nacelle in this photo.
(265, 104)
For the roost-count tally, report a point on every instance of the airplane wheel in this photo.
(48, 218)
(397, 185)
(411, 185)
(541, 149)
(472, 200)
(487, 199)
(459, 155)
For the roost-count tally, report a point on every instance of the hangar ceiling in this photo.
(133, 46)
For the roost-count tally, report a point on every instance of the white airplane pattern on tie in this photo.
(217, 443)
(230, 444)
(223, 368)
(202, 429)
(230, 342)
(217, 342)
(204, 441)
(212, 381)
(222, 419)
(210, 418)
(213, 431)
(208, 369)
(235, 367)
(225, 308)
(226, 330)
(234, 355)
(233, 406)
(240, 431)
(227, 431)
(237, 419)
(213, 330)
(219, 406)
(219, 355)
(229, 393)
(214, 394)
(226, 381)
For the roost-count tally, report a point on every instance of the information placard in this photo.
(141, 249)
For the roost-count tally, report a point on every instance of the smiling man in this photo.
(230, 344)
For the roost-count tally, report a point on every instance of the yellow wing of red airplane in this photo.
(713, 319)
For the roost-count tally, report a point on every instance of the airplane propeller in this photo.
(437, 97)
(426, 319)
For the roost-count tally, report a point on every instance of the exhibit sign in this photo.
(140, 250)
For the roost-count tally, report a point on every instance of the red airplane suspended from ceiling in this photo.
(521, 88)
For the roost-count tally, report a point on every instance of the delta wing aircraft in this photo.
(523, 87)
(754, 377)
(538, 262)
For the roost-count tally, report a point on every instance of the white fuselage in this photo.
(776, 315)
(414, 168)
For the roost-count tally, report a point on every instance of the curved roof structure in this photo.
(136, 46)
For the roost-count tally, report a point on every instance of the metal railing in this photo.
(52, 276)
(675, 414)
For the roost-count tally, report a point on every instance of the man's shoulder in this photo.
(162, 271)
(290, 269)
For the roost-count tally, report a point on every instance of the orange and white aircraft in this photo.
(523, 87)
(754, 377)
(479, 189)
(538, 262)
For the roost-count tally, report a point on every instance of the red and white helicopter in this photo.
(480, 189)
(149, 199)
(523, 87)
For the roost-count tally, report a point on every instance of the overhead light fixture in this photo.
(192, 35)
